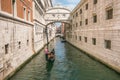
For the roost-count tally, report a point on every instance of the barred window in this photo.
(6, 48)
(94, 18)
(107, 44)
(85, 39)
(109, 13)
(76, 24)
(80, 23)
(86, 21)
(76, 14)
(86, 6)
(94, 41)
(95, 2)
(80, 38)
(80, 11)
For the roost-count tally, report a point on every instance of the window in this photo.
(73, 16)
(76, 24)
(41, 4)
(53, 15)
(14, 7)
(107, 44)
(109, 14)
(64, 15)
(76, 37)
(80, 38)
(80, 23)
(94, 41)
(80, 11)
(95, 1)
(6, 48)
(86, 6)
(19, 43)
(25, 13)
(85, 39)
(27, 42)
(94, 18)
(29, 16)
(86, 21)
(76, 14)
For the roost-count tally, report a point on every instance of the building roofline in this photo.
(53, 8)
(78, 5)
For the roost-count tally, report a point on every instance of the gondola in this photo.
(51, 56)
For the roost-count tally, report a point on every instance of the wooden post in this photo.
(46, 30)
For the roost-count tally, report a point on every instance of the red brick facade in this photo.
(6, 6)
(23, 8)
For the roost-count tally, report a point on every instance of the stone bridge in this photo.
(57, 14)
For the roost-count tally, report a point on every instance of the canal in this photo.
(70, 64)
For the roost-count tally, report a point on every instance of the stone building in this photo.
(22, 28)
(39, 9)
(95, 29)
(16, 34)
(62, 28)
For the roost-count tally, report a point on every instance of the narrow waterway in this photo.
(70, 64)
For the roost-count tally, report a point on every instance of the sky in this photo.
(66, 3)
(70, 4)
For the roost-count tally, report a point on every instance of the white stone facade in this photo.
(97, 33)
(40, 24)
(15, 44)
(21, 39)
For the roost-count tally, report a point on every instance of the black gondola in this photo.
(51, 56)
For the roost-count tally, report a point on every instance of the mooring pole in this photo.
(46, 30)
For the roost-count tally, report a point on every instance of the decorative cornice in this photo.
(2, 15)
(36, 3)
(30, 7)
(52, 8)
(39, 22)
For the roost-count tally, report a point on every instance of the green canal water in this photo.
(70, 64)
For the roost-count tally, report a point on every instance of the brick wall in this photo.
(27, 4)
(6, 6)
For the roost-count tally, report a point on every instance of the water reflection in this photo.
(49, 66)
(70, 64)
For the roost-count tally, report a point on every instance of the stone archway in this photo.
(57, 14)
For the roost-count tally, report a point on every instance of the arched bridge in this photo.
(57, 14)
